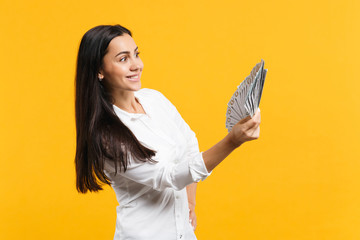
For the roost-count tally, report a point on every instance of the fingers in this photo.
(247, 129)
(256, 133)
(251, 122)
(244, 120)
(247, 118)
(192, 219)
(193, 223)
(258, 115)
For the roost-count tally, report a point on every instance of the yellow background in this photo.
(299, 180)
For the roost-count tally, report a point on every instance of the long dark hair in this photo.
(100, 134)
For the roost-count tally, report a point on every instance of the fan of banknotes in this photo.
(246, 99)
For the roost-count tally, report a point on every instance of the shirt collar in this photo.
(132, 116)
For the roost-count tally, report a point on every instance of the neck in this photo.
(125, 100)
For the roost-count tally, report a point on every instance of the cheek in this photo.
(121, 70)
(117, 70)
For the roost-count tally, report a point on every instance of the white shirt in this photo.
(152, 197)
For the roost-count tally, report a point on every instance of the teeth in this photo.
(133, 77)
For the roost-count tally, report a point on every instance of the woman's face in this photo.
(122, 66)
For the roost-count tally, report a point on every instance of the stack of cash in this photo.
(246, 99)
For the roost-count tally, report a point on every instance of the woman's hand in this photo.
(192, 216)
(246, 129)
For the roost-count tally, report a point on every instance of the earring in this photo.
(100, 79)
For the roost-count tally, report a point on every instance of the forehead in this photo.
(121, 43)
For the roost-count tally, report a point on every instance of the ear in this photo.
(100, 75)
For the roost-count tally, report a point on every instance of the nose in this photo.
(136, 64)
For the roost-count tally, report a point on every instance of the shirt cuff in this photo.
(198, 169)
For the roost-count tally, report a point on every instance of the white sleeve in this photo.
(158, 176)
(196, 162)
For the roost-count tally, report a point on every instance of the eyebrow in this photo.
(125, 52)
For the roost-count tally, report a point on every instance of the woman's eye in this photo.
(124, 58)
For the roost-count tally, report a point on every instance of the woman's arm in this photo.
(191, 193)
(198, 165)
(245, 130)
(165, 174)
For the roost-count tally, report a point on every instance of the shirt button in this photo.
(177, 197)
(180, 236)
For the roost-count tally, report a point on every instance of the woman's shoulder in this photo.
(149, 92)
(155, 96)
(152, 94)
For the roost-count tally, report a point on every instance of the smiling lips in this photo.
(133, 77)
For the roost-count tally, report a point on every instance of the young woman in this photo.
(136, 141)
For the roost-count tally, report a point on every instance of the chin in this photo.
(136, 87)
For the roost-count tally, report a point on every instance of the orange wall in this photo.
(299, 180)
